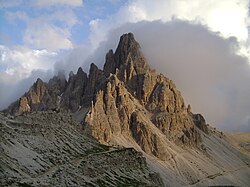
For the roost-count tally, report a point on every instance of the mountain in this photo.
(129, 104)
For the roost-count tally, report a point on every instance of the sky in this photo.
(204, 46)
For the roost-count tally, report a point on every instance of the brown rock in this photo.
(148, 140)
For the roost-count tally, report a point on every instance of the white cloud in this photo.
(229, 17)
(20, 67)
(75, 59)
(47, 37)
(18, 62)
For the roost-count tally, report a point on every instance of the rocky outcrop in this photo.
(23, 105)
(146, 137)
(37, 92)
(116, 113)
(128, 57)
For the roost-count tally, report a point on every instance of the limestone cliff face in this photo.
(126, 99)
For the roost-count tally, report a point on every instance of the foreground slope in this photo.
(131, 105)
(49, 149)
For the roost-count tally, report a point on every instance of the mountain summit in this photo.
(125, 93)
(129, 104)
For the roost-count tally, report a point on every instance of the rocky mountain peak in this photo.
(93, 69)
(127, 57)
(80, 71)
(127, 46)
(39, 82)
(125, 99)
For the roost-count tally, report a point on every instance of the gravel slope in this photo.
(50, 149)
